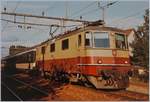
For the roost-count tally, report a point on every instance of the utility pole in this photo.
(24, 23)
(66, 14)
(29, 60)
(104, 9)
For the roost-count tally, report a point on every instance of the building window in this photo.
(52, 47)
(88, 39)
(43, 50)
(65, 44)
(120, 41)
(101, 39)
(79, 40)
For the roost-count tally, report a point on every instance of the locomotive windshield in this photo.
(101, 39)
(120, 41)
(97, 39)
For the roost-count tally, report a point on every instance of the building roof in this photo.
(128, 31)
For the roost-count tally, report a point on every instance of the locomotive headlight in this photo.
(99, 61)
(125, 62)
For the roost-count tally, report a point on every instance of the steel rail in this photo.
(13, 93)
(46, 93)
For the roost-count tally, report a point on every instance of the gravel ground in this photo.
(80, 93)
(69, 92)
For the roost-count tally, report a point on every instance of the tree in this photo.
(140, 44)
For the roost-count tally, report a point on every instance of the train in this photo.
(93, 54)
(23, 60)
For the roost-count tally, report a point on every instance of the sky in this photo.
(123, 14)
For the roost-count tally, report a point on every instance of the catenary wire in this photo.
(82, 9)
(3, 29)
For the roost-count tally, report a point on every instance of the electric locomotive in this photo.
(92, 54)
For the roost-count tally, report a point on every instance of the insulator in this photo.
(4, 9)
(43, 13)
(28, 27)
(19, 26)
(80, 17)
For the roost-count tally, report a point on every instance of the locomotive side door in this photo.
(79, 52)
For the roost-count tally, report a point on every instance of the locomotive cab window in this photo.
(52, 47)
(65, 44)
(88, 39)
(120, 41)
(101, 39)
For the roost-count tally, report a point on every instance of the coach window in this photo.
(120, 41)
(88, 39)
(65, 44)
(79, 40)
(101, 39)
(52, 47)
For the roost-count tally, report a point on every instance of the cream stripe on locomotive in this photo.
(106, 53)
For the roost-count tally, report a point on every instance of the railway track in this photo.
(119, 95)
(19, 95)
(35, 88)
(12, 95)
